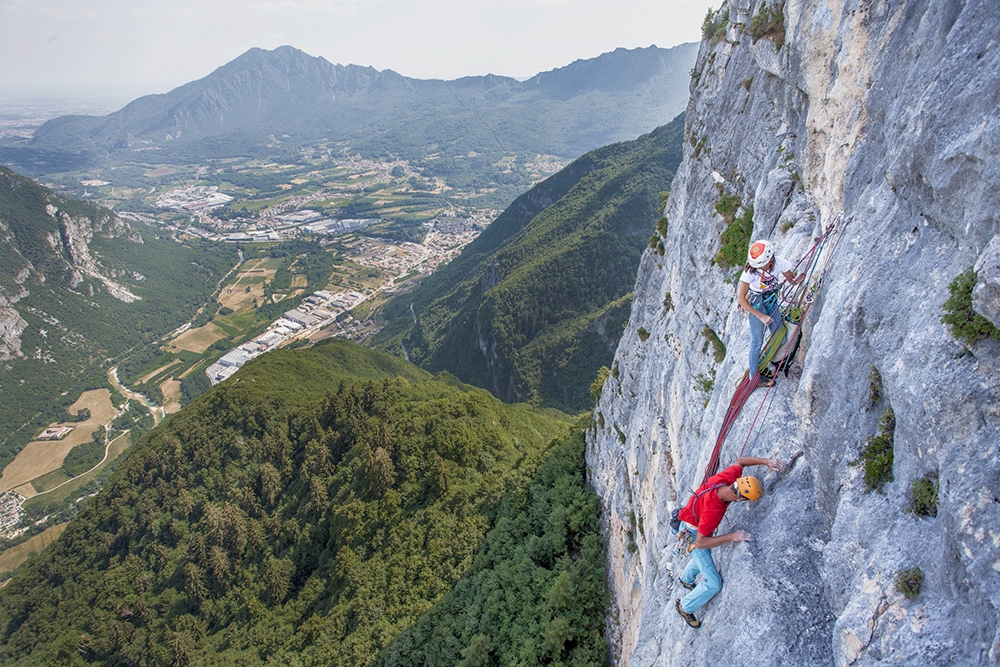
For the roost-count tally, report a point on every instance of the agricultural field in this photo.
(197, 340)
(11, 558)
(42, 457)
(171, 390)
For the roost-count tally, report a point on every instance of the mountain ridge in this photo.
(263, 94)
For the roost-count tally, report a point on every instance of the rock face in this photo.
(75, 233)
(879, 118)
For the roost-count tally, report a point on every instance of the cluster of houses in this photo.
(315, 312)
(11, 510)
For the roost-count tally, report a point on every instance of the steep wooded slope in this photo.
(535, 305)
(80, 287)
(310, 511)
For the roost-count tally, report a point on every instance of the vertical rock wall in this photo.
(880, 117)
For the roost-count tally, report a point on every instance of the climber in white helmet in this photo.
(758, 294)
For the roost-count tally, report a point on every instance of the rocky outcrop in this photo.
(42, 245)
(11, 326)
(878, 118)
(75, 233)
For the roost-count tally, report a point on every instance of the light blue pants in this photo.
(769, 308)
(711, 581)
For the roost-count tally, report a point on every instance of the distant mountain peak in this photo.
(284, 91)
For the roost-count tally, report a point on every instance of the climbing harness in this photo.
(686, 533)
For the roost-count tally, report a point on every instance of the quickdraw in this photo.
(685, 541)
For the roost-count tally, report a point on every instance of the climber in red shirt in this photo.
(701, 517)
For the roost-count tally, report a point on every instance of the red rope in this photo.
(735, 406)
(750, 430)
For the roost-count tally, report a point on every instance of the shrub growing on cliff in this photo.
(598, 384)
(705, 382)
(718, 347)
(726, 205)
(735, 238)
(713, 29)
(909, 582)
(769, 22)
(874, 386)
(966, 324)
(664, 198)
(877, 456)
(924, 496)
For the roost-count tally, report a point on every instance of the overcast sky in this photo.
(135, 47)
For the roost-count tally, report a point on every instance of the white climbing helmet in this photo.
(761, 253)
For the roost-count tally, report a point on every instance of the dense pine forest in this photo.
(330, 506)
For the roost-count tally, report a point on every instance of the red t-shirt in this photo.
(706, 511)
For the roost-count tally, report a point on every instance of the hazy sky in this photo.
(133, 47)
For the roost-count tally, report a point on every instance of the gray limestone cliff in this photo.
(881, 118)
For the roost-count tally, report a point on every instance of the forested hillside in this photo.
(327, 506)
(79, 288)
(535, 306)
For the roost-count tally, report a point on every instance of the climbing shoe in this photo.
(685, 584)
(766, 378)
(688, 618)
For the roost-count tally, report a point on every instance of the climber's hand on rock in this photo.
(742, 536)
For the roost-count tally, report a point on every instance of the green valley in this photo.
(79, 288)
(535, 305)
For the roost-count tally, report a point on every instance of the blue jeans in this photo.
(711, 581)
(770, 308)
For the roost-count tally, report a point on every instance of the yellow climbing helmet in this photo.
(749, 487)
